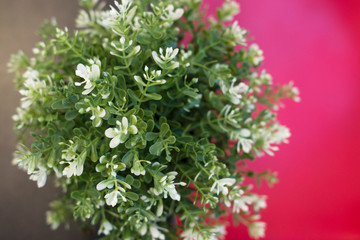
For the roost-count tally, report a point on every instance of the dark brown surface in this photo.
(22, 204)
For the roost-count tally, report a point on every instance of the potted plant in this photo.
(146, 115)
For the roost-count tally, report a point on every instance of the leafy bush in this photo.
(142, 115)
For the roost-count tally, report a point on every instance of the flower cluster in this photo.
(143, 127)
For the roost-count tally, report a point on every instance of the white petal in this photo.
(101, 185)
(156, 58)
(110, 133)
(87, 91)
(95, 72)
(41, 180)
(174, 53)
(177, 14)
(115, 141)
(81, 71)
(125, 123)
(102, 113)
(133, 129)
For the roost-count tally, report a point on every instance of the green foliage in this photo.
(141, 125)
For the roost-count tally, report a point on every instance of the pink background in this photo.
(313, 42)
(316, 44)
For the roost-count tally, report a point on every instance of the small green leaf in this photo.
(128, 159)
(77, 195)
(132, 95)
(132, 196)
(136, 183)
(156, 148)
(129, 179)
(171, 140)
(59, 105)
(153, 96)
(71, 115)
(150, 136)
(164, 129)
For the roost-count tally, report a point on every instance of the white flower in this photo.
(280, 134)
(123, 13)
(137, 169)
(34, 87)
(255, 54)
(167, 186)
(236, 33)
(90, 75)
(219, 230)
(150, 77)
(122, 46)
(220, 185)
(259, 203)
(265, 77)
(236, 91)
(52, 219)
(171, 190)
(111, 164)
(241, 204)
(228, 10)
(83, 19)
(257, 229)
(121, 133)
(191, 234)
(155, 233)
(70, 153)
(71, 169)
(105, 228)
(185, 57)
(275, 134)
(97, 114)
(246, 145)
(112, 198)
(76, 166)
(21, 117)
(166, 58)
(40, 176)
(171, 15)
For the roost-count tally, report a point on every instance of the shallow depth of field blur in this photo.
(312, 42)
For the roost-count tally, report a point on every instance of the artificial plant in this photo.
(147, 115)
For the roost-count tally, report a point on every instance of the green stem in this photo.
(75, 51)
(143, 94)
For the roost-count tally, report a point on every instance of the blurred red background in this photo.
(316, 44)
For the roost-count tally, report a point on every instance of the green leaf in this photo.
(133, 96)
(71, 115)
(153, 96)
(189, 92)
(150, 136)
(128, 159)
(150, 125)
(77, 195)
(60, 105)
(136, 184)
(132, 196)
(164, 129)
(129, 179)
(96, 218)
(156, 148)
(171, 140)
